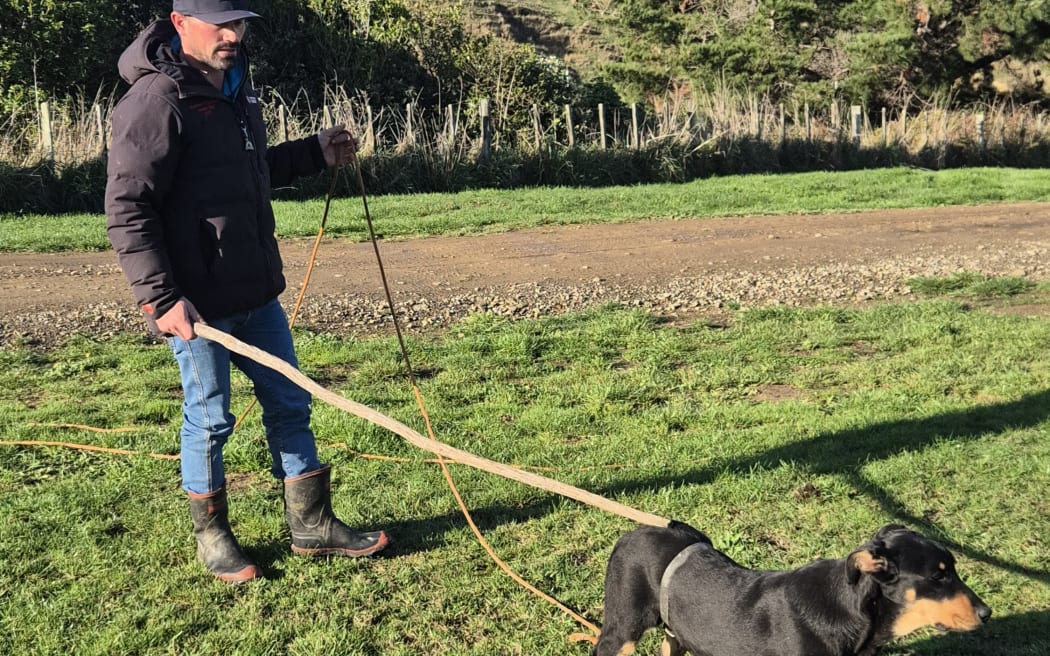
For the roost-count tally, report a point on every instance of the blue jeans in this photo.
(206, 419)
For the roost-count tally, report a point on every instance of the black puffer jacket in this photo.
(188, 193)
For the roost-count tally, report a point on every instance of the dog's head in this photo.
(918, 576)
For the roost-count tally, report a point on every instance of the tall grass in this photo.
(410, 149)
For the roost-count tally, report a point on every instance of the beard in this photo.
(224, 57)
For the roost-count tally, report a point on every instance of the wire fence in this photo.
(72, 133)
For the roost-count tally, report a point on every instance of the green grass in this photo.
(398, 217)
(971, 284)
(787, 435)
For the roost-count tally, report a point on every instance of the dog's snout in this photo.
(983, 612)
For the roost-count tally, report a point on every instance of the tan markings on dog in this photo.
(957, 614)
(866, 562)
(943, 567)
(627, 649)
(665, 648)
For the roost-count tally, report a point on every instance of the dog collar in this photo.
(665, 581)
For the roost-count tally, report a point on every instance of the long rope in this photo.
(430, 430)
(447, 453)
(444, 453)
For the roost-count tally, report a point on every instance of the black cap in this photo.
(215, 12)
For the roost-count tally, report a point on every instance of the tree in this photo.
(64, 46)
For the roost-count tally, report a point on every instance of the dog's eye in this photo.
(939, 575)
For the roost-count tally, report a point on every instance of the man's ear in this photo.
(871, 559)
(178, 20)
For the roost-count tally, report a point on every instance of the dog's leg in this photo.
(625, 650)
(671, 647)
(609, 645)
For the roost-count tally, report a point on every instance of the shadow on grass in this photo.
(846, 452)
(840, 453)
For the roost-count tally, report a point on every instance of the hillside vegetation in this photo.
(880, 51)
(722, 87)
(892, 52)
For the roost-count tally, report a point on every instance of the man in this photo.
(189, 215)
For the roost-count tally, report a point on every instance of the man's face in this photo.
(215, 46)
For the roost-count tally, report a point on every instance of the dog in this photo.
(672, 576)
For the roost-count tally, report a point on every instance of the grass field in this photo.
(475, 212)
(785, 434)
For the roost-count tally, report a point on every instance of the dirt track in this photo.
(673, 267)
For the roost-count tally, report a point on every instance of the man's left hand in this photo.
(337, 144)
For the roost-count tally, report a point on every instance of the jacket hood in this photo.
(152, 52)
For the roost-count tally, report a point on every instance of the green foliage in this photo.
(1016, 27)
(884, 51)
(60, 46)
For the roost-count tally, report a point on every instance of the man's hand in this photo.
(337, 144)
(179, 320)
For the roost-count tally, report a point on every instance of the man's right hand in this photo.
(179, 320)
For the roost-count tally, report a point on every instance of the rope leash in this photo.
(444, 453)
(335, 445)
(430, 431)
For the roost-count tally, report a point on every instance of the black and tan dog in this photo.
(710, 606)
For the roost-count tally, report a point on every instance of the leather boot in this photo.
(315, 528)
(216, 546)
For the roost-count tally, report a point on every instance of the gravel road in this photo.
(680, 269)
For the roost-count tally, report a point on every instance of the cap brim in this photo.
(220, 17)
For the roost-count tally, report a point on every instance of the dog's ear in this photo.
(888, 530)
(874, 560)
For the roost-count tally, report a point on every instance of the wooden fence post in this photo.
(450, 124)
(410, 129)
(47, 140)
(809, 125)
(855, 124)
(756, 119)
(486, 128)
(537, 130)
(885, 130)
(636, 137)
(282, 122)
(783, 126)
(570, 129)
(981, 139)
(603, 138)
(100, 126)
(370, 131)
